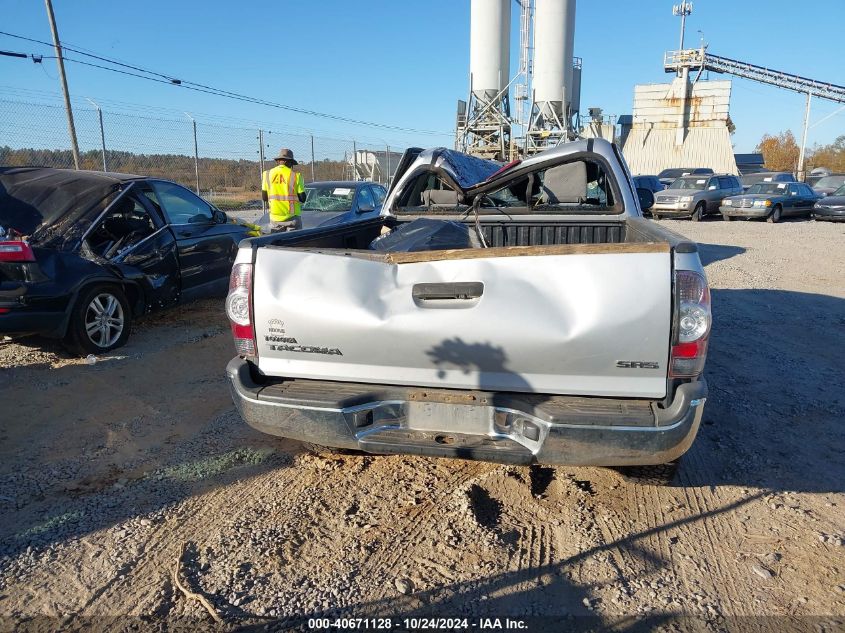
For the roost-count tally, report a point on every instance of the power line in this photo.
(151, 75)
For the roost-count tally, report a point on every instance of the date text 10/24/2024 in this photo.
(416, 624)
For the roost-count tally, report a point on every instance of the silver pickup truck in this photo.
(527, 314)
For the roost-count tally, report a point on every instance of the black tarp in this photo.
(48, 203)
(426, 234)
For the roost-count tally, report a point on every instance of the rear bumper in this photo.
(20, 322)
(504, 428)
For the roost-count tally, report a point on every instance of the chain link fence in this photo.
(223, 163)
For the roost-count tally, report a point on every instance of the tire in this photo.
(776, 215)
(658, 475)
(100, 321)
(726, 218)
(655, 217)
(699, 212)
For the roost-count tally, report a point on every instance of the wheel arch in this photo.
(134, 295)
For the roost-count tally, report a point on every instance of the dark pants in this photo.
(288, 225)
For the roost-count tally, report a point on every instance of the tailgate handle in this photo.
(462, 291)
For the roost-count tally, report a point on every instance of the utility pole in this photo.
(102, 131)
(261, 167)
(70, 126)
(800, 173)
(196, 151)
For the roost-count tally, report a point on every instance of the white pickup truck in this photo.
(526, 314)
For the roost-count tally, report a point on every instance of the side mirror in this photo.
(220, 217)
(646, 198)
(365, 208)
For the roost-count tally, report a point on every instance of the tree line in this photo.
(781, 153)
(214, 173)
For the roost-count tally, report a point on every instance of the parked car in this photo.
(83, 253)
(817, 174)
(341, 201)
(765, 176)
(668, 176)
(771, 200)
(827, 185)
(337, 202)
(695, 196)
(652, 183)
(831, 207)
(526, 314)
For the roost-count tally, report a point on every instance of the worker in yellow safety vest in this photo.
(284, 190)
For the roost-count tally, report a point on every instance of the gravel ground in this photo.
(112, 474)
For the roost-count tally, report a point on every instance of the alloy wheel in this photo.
(104, 320)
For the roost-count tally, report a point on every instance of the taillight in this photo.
(239, 309)
(692, 325)
(16, 251)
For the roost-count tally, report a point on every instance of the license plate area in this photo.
(449, 418)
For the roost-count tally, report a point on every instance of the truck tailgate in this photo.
(579, 319)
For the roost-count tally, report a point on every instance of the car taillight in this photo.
(239, 309)
(16, 251)
(692, 325)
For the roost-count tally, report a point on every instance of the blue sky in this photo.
(405, 62)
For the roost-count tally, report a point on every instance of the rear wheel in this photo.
(657, 475)
(698, 212)
(775, 215)
(100, 321)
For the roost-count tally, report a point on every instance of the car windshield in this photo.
(767, 187)
(831, 181)
(839, 192)
(697, 184)
(330, 198)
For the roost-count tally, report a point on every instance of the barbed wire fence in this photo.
(223, 163)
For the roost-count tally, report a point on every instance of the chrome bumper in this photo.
(488, 431)
(745, 212)
(673, 208)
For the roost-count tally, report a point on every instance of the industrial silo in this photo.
(484, 123)
(552, 79)
(489, 47)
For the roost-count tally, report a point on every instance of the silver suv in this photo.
(695, 196)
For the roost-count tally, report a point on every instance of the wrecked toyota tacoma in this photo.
(82, 252)
(521, 314)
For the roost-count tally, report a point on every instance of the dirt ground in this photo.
(112, 473)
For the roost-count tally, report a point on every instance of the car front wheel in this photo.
(775, 215)
(698, 213)
(100, 321)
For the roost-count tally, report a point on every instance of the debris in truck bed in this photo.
(426, 234)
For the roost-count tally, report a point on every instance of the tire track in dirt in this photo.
(421, 519)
